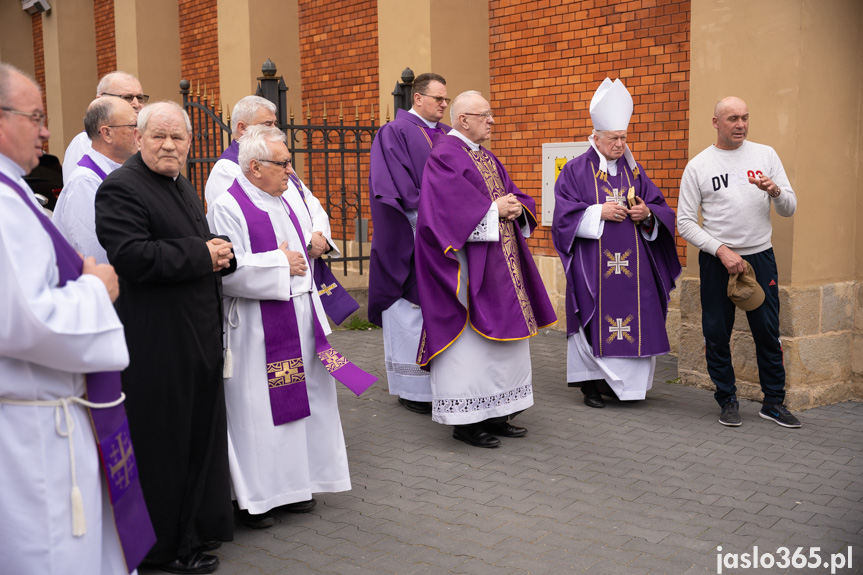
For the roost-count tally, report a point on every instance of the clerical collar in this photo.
(604, 162)
(426, 122)
(473, 146)
(10, 168)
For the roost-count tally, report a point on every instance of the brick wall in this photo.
(106, 47)
(548, 56)
(339, 47)
(199, 64)
(199, 44)
(39, 61)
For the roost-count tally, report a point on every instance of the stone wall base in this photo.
(821, 326)
(797, 398)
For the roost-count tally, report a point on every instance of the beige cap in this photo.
(744, 291)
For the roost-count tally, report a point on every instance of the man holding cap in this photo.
(615, 236)
(734, 182)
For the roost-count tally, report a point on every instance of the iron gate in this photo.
(333, 157)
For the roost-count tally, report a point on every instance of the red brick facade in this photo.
(39, 61)
(199, 44)
(106, 47)
(339, 48)
(548, 56)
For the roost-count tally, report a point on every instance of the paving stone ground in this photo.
(636, 488)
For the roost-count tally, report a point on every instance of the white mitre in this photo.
(610, 111)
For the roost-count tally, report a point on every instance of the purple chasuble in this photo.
(87, 162)
(286, 374)
(506, 297)
(110, 424)
(617, 286)
(398, 158)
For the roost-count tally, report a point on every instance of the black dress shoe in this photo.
(195, 563)
(475, 435)
(423, 407)
(209, 546)
(260, 521)
(504, 429)
(594, 400)
(299, 506)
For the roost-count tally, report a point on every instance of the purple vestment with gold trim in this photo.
(618, 285)
(506, 297)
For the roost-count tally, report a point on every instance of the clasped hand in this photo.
(295, 259)
(220, 253)
(508, 207)
(614, 212)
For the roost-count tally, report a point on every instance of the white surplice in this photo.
(308, 209)
(629, 377)
(49, 336)
(402, 325)
(274, 465)
(75, 212)
(477, 378)
(79, 146)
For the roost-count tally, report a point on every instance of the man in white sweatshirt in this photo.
(734, 182)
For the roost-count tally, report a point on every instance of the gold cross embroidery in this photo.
(615, 196)
(285, 372)
(327, 289)
(619, 329)
(618, 263)
(121, 458)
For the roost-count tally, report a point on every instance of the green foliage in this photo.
(355, 322)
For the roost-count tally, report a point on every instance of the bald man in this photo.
(735, 182)
(113, 85)
(110, 125)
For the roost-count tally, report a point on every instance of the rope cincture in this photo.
(79, 522)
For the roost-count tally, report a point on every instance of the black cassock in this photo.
(155, 233)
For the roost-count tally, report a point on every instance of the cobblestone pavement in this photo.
(639, 487)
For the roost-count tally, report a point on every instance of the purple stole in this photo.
(337, 302)
(87, 162)
(286, 376)
(110, 424)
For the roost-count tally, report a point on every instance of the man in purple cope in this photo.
(480, 292)
(615, 236)
(399, 155)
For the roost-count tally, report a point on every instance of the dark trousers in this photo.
(717, 321)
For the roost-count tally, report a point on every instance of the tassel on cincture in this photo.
(79, 523)
(228, 371)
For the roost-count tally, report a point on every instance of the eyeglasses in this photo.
(37, 117)
(142, 98)
(282, 165)
(437, 99)
(485, 115)
(121, 126)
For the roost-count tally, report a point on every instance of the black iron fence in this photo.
(332, 156)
